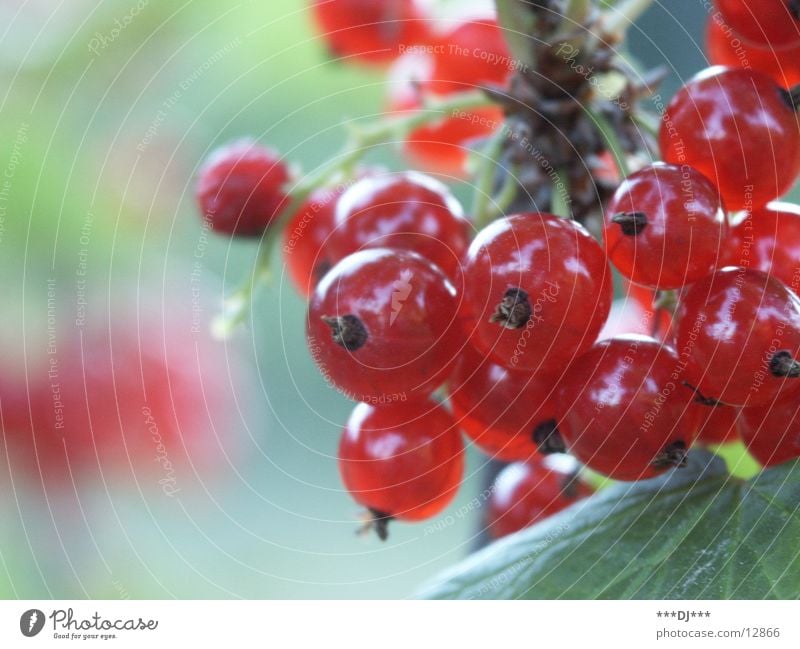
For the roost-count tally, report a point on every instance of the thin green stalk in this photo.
(559, 203)
(507, 192)
(482, 197)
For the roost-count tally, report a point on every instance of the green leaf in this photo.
(695, 533)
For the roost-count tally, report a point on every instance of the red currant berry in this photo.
(768, 239)
(525, 493)
(739, 332)
(408, 211)
(305, 252)
(724, 47)
(537, 291)
(772, 432)
(718, 425)
(382, 326)
(370, 31)
(664, 225)
(241, 188)
(767, 23)
(500, 409)
(402, 461)
(739, 129)
(624, 410)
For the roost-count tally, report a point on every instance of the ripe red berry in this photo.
(525, 493)
(724, 47)
(767, 23)
(718, 424)
(501, 410)
(768, 239)
(624, 410)
(305, 250)
(403, 461)
(241, 188)
(382, 326)
(537, 291)
(739, 129)
(739, 332)
(408, 211)
(369, 31)
(664, 226)
(772, 432)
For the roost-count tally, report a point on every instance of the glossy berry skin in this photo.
(525, 493)
(737, 128)
(403, 461)
(768, 239)
(537, 291)
(665, 226)
(367, 31)
(718, 425)
(624, 411)
(772, 432)
(305, 250)
(241, 188)
(734, 327)
(499, 409)
(725, 47)
(382, 326)
(406, 211)
(767, 23)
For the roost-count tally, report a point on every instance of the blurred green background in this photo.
(107, 109)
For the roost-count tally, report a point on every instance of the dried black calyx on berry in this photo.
(514, 309)
(794, 8)
(700, 398)
(783, 365)
(347, 331)
(548, 438)
(378, 522)
(631, 223)
(673, 455)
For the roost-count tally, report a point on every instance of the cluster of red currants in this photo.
(501, 334)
